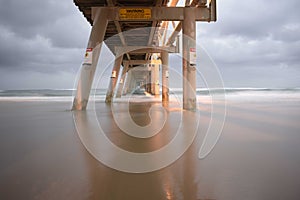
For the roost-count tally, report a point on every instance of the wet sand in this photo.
(256, 157)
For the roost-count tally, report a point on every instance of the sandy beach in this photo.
(256, 157)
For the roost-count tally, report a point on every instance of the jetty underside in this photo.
(136, 33)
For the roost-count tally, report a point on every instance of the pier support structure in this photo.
(89, 65)
(99, 15)
(165, 76)
(127, 82)
(148, 80)
(131, 82)
(189, 61)
(155, 79)
(122, 80)
(155, 63)
(113, 79)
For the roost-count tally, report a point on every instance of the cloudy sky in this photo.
(253, 43)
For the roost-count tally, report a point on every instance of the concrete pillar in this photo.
(127, 82)
(131, 83)
(155, 79)
(113, 79)
(148, 79)
(189, 61)
(89, 65)
(165, 76)
(152, 78)
(122, 80)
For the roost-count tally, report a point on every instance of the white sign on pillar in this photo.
(114, 74)
(193, 56)
(88, 58)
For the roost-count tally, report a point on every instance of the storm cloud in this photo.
(253, 43)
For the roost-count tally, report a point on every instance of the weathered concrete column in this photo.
(131, 82)
(152, 78)
(155, 79)
(149, 82)
(89, 65)
(148, 79)
(127, 82)
(165, 75)
(122, 80)
(189, 61)
(113, 79)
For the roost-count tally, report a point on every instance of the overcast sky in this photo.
(254, 43)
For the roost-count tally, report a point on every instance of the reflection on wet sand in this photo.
(176, 181)
(42, 156)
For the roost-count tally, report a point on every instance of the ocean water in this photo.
(45, 94)
(246, 94)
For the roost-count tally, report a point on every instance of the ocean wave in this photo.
(45, 92)
(173, 91)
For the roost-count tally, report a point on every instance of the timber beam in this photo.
(155, 13)
(119, 50)
(136, 62)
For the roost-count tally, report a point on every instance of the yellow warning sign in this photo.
(135, 13)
